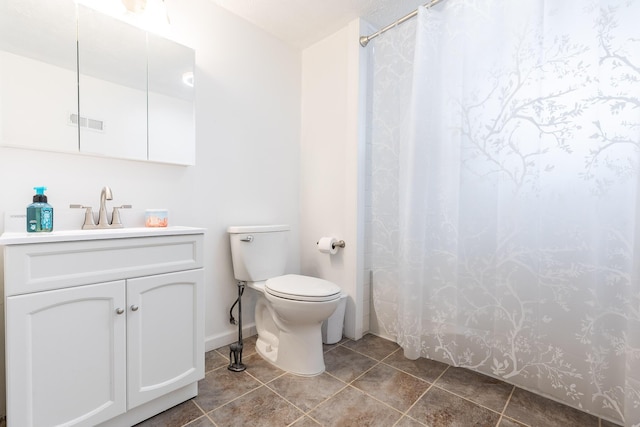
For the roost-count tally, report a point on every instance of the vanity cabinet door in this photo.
(165, 334)
(66, 356)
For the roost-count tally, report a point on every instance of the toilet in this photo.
(290, 308)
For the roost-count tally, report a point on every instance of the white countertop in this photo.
(23, 238)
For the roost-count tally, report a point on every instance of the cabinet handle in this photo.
(134, 308)
(119, 311)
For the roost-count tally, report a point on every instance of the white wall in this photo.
(332, 166)
(247, 136)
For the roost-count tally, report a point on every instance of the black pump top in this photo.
(39, 197)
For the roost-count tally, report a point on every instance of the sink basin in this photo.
(22, 238)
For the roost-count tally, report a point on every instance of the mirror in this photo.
(112, 89)
(38, 78)
(171, 100)
(112, 81)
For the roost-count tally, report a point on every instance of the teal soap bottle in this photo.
(39, 213)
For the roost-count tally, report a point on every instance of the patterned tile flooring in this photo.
(366, 383)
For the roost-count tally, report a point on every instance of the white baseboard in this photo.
(213, 342)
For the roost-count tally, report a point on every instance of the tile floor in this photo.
(367, 383)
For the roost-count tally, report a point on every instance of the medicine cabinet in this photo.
(75, 80)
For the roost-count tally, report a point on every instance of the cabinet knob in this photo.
(134, 307)
(119, 311)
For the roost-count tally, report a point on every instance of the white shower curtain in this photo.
(505, 196)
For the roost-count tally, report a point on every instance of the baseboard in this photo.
(213, 342)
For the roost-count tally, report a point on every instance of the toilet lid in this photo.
(302, 288)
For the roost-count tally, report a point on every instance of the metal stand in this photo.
(235, 349)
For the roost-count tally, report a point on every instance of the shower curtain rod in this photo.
(364, 40)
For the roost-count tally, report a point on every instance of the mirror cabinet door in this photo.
(73, 79)
(38, 75)
(171, 101)
(112, 79)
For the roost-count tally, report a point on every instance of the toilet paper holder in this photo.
(338, 244)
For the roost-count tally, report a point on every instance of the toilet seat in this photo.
(302, 288)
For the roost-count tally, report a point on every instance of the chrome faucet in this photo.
(103, 220)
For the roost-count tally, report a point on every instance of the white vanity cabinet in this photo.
(102, 332)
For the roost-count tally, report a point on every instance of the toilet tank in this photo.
(259, 252)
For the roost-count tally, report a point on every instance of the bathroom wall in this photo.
(332, 166)
(248, 153)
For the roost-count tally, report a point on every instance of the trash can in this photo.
(332, 327)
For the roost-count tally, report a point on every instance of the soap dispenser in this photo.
(39, 213)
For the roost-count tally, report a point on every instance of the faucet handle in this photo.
(116, 221)
(89, 220)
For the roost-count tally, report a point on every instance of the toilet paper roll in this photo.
(327, 245)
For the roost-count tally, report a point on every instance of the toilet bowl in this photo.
(291, 308)
(289, 325)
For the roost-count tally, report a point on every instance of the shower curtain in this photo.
(505, 198)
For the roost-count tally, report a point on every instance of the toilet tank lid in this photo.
(239, 229)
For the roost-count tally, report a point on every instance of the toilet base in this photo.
(299, 353)
(289, 333)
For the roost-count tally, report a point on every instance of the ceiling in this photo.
(304, 22)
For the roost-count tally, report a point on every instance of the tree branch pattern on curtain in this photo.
(505, 220)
